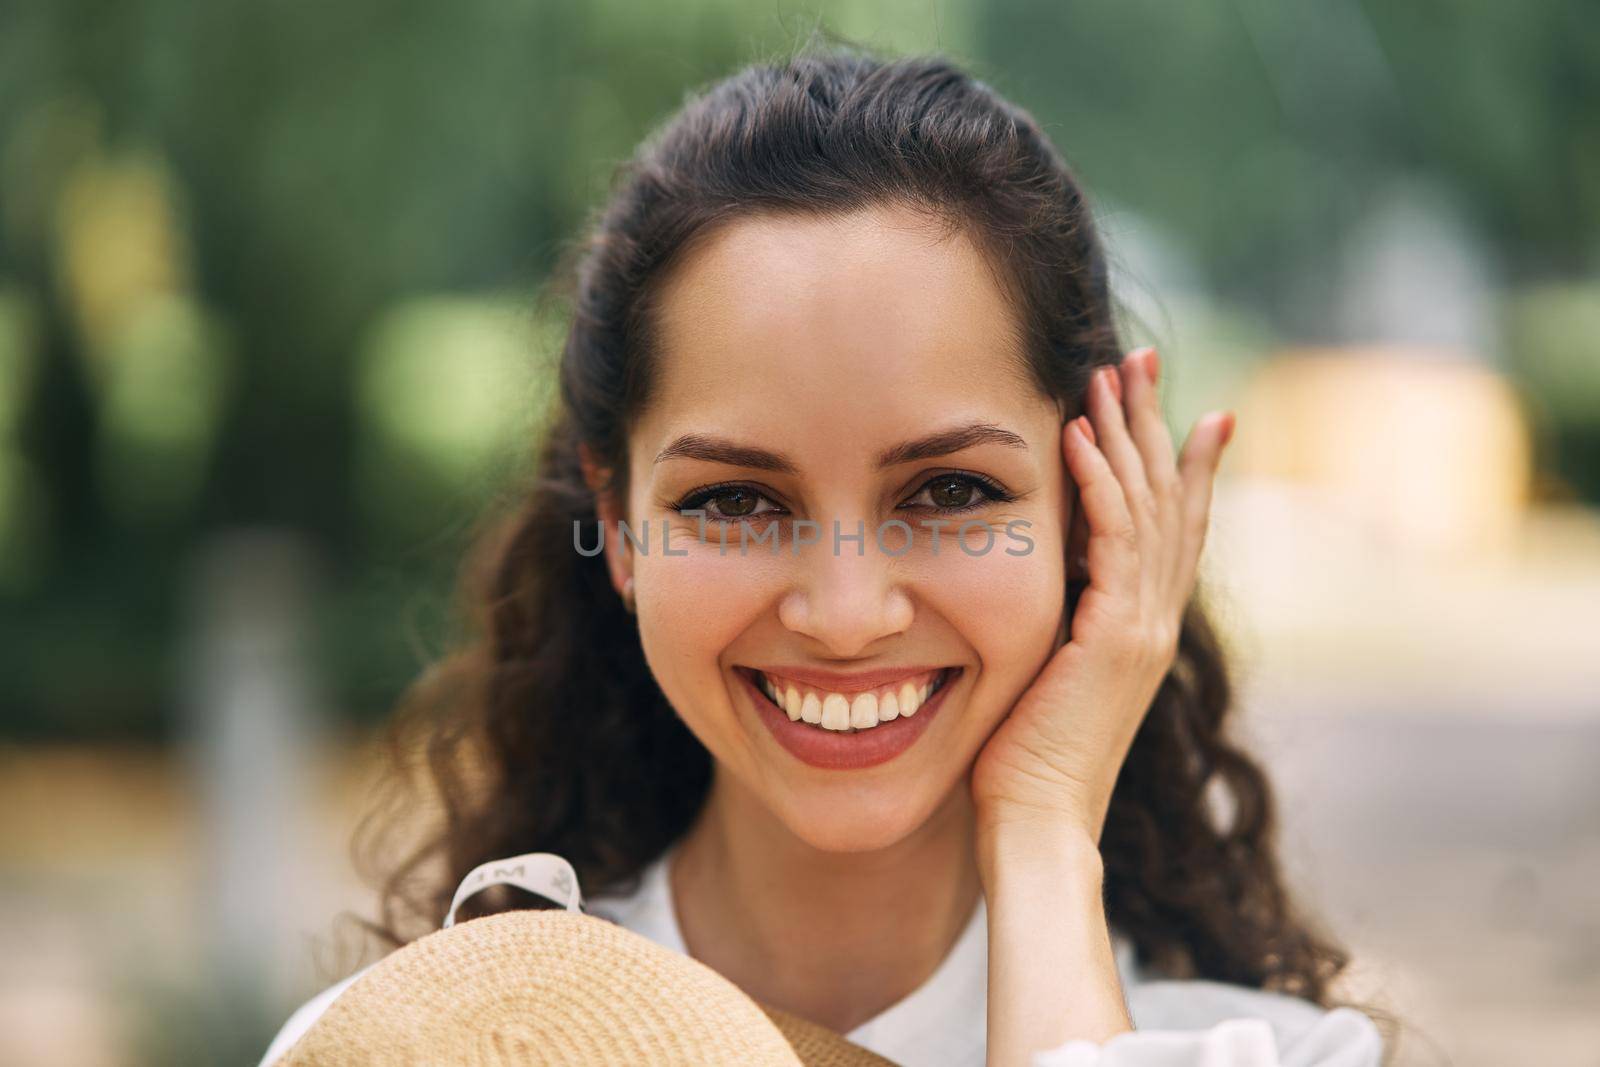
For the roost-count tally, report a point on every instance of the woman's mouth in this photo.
(847, 729)
(851, 711)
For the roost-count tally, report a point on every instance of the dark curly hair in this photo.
(545, 730)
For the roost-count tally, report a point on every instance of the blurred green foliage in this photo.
(275, 263)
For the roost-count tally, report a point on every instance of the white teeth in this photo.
(839, 711)
(835, 713)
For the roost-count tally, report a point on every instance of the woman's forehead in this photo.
(833, 317)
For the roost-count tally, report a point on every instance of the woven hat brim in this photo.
(534, 987)
(817, 1046)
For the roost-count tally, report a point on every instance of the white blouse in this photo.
(943, 1022)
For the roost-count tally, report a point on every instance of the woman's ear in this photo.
(619, 557)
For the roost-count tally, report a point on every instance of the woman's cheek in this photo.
(693, 607)
(1005, 603)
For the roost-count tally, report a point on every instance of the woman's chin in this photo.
(856, 823)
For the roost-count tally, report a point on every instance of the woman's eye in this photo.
(736, 503)
(947, 493)
(959, 492)
(727, 502)
(952, 492)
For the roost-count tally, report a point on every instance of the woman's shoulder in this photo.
(1304, 1033)
(1301, 1033)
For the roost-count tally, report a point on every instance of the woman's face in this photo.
(847, 371)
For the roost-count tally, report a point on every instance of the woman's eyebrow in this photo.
(941, 443)
(944, 442)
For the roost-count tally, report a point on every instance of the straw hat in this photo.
(556, 987)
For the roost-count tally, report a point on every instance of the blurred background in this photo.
(269, 345)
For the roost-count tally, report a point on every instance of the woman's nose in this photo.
(845, 601)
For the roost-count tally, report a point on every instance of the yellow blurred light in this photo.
(449, 394)
(120, 244)
(1429, 448)
(447, 379)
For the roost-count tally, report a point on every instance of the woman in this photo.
(892, 704)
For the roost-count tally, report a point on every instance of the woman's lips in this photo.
(853, 705)
(845, 748)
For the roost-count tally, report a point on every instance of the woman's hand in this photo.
(1053, 761)
(1042, 783)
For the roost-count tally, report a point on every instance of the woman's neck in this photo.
(832, 937)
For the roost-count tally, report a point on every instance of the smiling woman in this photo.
(951, 804)
(857, 350)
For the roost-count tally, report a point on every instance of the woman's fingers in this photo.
(1077, 544)
(1118, 447)
(1113, 541)
(1139, 372)
(1150, 434)
(1145, 510)
(1197, 469)
(1156, 496)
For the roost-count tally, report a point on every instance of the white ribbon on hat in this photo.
(542, 873)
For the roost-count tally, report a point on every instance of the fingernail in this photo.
(1152, 365)
(1113, 381)
(1085, 428)
(1227, 427)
